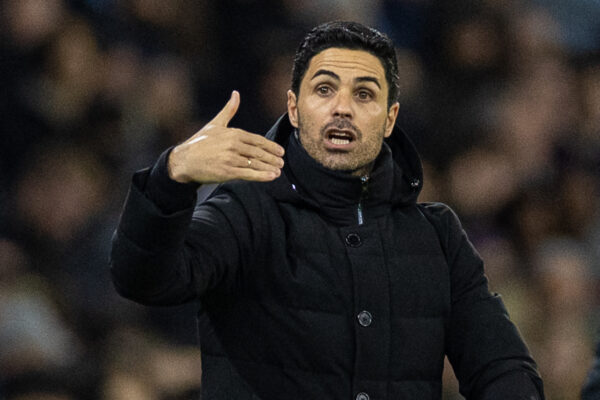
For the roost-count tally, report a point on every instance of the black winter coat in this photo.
(591, 387)
(320, 285)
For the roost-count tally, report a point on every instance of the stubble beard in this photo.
(358, 162)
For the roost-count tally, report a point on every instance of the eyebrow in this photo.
(326, 72)
(368, 79)
(337, 77)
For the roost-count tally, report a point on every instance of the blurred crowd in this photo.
(501, 97)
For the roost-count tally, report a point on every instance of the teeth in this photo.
(340, 141)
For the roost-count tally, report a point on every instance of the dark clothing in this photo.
(591, 388)
(322, 285)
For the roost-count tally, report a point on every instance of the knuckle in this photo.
(228, 171)
(233, 145)
(229, 160)
(239, 133)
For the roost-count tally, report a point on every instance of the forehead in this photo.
(346, 62)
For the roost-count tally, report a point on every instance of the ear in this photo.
(391, 119)
(292, 107)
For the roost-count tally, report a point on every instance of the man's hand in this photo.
(218, 153)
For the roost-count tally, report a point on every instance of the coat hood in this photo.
(408, 171)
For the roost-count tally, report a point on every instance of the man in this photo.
(319, 275)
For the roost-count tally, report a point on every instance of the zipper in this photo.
(364, 180)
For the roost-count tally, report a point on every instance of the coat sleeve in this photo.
(591, 387)
(487, 353)
(171, 257)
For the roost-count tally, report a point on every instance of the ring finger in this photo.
(256, 153)
(257, 164)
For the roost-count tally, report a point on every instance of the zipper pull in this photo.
(365, 186)
(363, 195)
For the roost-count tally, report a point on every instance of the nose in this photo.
(342, 107)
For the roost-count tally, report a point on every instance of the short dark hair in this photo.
(347, 35)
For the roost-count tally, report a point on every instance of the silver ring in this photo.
(249, 162)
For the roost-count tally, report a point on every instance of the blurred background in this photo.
(501, 97)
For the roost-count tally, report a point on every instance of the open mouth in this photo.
(340, 137)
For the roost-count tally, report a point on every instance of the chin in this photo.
(345, 167)
(339, 165)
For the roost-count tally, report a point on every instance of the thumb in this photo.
(227, 113)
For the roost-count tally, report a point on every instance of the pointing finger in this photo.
(227, 113)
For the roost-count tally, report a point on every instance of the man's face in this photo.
(341, 109)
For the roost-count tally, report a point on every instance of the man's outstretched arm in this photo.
(155, 259)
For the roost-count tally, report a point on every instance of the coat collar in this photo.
(396, 179)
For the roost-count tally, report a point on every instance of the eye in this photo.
(323, 90)
(364, 95)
